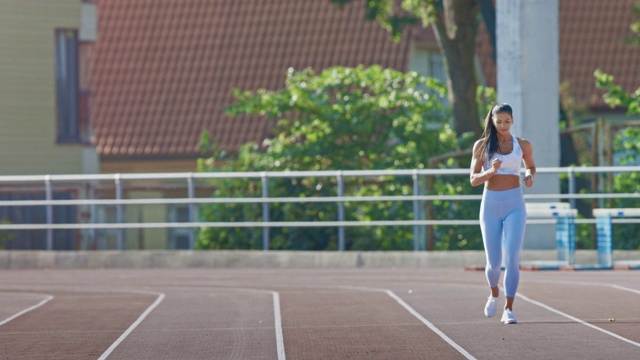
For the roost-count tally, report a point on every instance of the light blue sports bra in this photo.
(510, 162)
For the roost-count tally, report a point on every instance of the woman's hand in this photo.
(495, 165)
(528, 180)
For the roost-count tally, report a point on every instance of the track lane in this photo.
(451, 299)
(74, 325)
(355, 324)
(205, 323)
(456, 310)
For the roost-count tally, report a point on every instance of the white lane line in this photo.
(278, 325)
(133, 326)
(46, 300)
(276, 315)
(433, 328)
(422, 319)
(625, 289)
(586, 283)
(580, 321)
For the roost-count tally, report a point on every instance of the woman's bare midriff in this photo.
(502, 182)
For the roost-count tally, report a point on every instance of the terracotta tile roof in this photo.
(164, 70)
(593, 34)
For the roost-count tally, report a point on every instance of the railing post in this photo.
(416, 209)
(572, 186)
(265, 212)
(192, 211)
(92, 241)
(49, 197)
(340, 183)
(119, 214)
(431, 240)
(602, 125)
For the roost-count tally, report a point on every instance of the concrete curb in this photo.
(272, 259)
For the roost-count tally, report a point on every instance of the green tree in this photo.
(615, 96)
(341, 118)
(627, 144)
(455, 23)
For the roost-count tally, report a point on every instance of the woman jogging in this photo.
(496, 162)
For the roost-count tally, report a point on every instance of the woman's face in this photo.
(502, 122)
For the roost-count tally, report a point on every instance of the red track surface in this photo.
(313, 314)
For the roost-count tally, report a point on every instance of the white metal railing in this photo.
(119, 202)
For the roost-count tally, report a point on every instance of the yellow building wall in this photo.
(145, 239)
(27, 90)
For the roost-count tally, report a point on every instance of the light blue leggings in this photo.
(503, 213)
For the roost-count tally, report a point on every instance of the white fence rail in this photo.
(49, 181)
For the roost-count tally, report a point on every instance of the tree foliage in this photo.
(627, 144)
(335, 119)
(615, 96)
(342, 118)
(455, 24)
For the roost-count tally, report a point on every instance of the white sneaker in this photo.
(492, 304)
(508, 317)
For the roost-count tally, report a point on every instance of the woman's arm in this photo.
(529, 163)
(477, 175)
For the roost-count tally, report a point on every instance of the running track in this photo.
(313, 314)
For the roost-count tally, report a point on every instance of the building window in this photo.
(67, 86)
